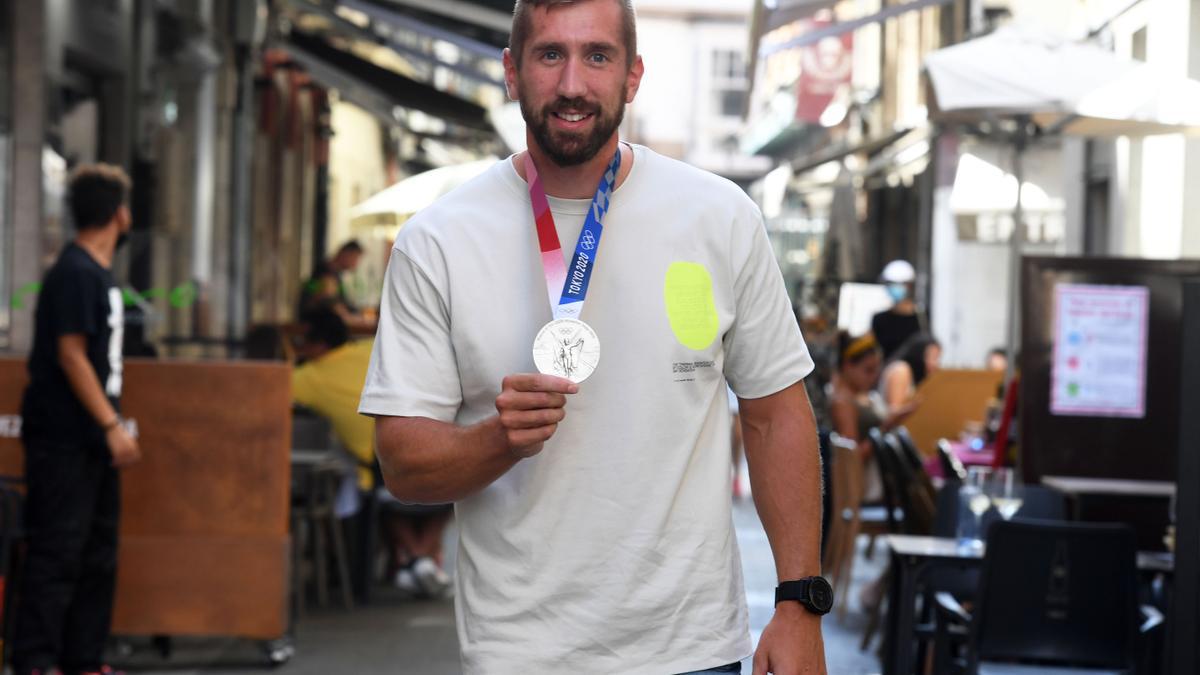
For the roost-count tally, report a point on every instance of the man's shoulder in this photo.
(691, 182)
(72, 264)
(458, 212)
(688, 175)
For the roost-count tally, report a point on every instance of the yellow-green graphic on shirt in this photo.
(688, 292)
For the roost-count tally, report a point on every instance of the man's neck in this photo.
(579, 181)
(100, 244)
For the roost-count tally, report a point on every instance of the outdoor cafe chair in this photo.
(1054, 597)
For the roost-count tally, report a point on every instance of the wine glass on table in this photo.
(1007, 492)
(974, 495)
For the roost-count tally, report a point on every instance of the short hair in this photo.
(96, 192)
(325, 327)
(522, 20)
(351, 246)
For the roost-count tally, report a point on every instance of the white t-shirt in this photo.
(613, 550)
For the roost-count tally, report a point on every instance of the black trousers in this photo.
(71, 511)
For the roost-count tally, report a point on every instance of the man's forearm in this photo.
(425, 461)
(86, 387)
(785, 477)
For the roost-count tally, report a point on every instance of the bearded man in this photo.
(593, 501)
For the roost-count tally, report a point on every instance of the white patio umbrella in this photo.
(396, 204)
(1064, 87)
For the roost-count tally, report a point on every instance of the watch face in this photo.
(820, 595)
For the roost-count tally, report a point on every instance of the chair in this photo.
(317, 469)
(922, 493)
(1053, 597)
(885, 459)
(908, 448)
(952, 466)
(845, 491)
(910, 488)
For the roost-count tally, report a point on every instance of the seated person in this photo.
(325, 288)
(329, 382)
(916, 359)
(855, 407)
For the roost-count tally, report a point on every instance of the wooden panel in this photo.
(13, 379)
(198, 585)
(950, 399)
(215, 440)
(204, 522)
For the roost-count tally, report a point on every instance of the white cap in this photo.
(898, 272)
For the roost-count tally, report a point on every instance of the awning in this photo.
(415, 24)
(870, 146)
(379, 89)
(815, 36)
(494, 15)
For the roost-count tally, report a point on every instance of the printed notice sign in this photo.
(1099, 367)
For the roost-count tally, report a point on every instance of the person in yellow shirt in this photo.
(329, 383)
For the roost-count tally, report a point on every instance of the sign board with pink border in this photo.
(1099, 362)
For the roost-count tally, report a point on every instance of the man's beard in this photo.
(566, 148)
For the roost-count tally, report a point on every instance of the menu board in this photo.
(1099, 363)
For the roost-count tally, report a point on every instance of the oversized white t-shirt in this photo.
(613, 550)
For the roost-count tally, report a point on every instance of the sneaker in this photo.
(433, 579)
(406, 581)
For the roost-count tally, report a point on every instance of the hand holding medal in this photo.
(567, 347)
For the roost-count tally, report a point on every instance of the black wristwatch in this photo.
(814, 593)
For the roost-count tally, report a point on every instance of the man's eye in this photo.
(598, 58)
(550, 55)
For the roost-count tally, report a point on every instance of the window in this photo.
(729, 82)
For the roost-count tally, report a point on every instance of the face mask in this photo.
(897, 291)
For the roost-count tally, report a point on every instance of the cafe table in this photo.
(913, 558)
(1077, 486)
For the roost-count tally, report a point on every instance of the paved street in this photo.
(398, 636)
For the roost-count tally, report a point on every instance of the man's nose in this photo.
(572, 82)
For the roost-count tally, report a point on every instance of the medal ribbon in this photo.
(568, 303)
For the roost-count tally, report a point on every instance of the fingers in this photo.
(530, 407)
(520, 400)
(531, 419)
(761, 662)
(531, 382)
(522, 438)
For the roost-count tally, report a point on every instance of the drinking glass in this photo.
(1006, 491)
(974, 496)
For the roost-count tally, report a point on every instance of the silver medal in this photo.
(567, 348)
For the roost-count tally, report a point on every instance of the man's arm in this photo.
(72, 357)
(426, 461)
(780, 435)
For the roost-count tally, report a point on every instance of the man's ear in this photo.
(634, 79)
(124, 218)
(510, 74)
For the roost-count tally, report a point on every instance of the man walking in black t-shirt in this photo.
(74, 440)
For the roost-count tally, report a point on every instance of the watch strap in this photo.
(813, 593)
(793, 590)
